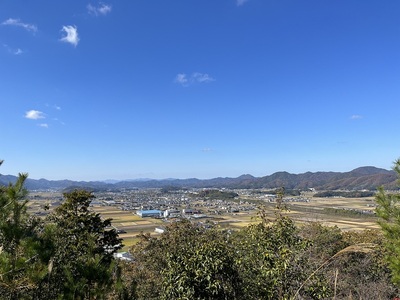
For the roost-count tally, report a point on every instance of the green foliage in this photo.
(200, 267)
(171, 189)
(270, 259)
(389, 212)
(326, 240)
(21, 266)
(186, 262)
(347, 212)
(82, 245)
(349, 194)
(287, 192)
(69, 257)
(216, 194)
(273, 259)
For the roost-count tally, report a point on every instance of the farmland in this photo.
(121, 207)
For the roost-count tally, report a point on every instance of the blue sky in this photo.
(124, 89)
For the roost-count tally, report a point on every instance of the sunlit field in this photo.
(341, 212)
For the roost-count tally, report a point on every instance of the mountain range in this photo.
(363, 178)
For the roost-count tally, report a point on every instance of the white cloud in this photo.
(356, 117)
(44, 125)
(55, 106)
(241, 2)
(196, 77)
(199, 77)
(71, 35)
(181, 79)
(17, 22)
(58, 121)
(101, 9)
(207, 150)
(14, 51)
(34, 115)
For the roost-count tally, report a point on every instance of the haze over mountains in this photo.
(369, 178)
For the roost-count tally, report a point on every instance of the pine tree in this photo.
(84, 244)
(21, 264)
(388, 211)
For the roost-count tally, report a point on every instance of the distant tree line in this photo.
(347, 212)
(171, 189)
(215, 194)
(288, 192)
(69, 255)
(344, 194)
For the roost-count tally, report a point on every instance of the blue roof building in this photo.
(149, 213)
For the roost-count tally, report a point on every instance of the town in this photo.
(137, 211)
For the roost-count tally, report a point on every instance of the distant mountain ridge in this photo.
(368, 178)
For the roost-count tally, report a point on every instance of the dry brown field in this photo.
(302, 212)
(328, 211)
(321, 210)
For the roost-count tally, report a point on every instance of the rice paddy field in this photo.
(346, 213)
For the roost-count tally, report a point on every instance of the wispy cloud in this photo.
(56, 107)
(356, 117)
(199, 77)
(14, 51)
(196, 77)
(18, 23)
(34, 115)
(206, 150)
(100, 10)
(181, 79)
(37, 115)
(71, 35)
(241, 2)
(59, 121)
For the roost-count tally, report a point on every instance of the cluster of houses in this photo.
(171, 213)
(180, 203)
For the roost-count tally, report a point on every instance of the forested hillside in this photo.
(369, 178)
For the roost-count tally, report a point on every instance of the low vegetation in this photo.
(69, 254)
(216, 194)
(344, 194)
